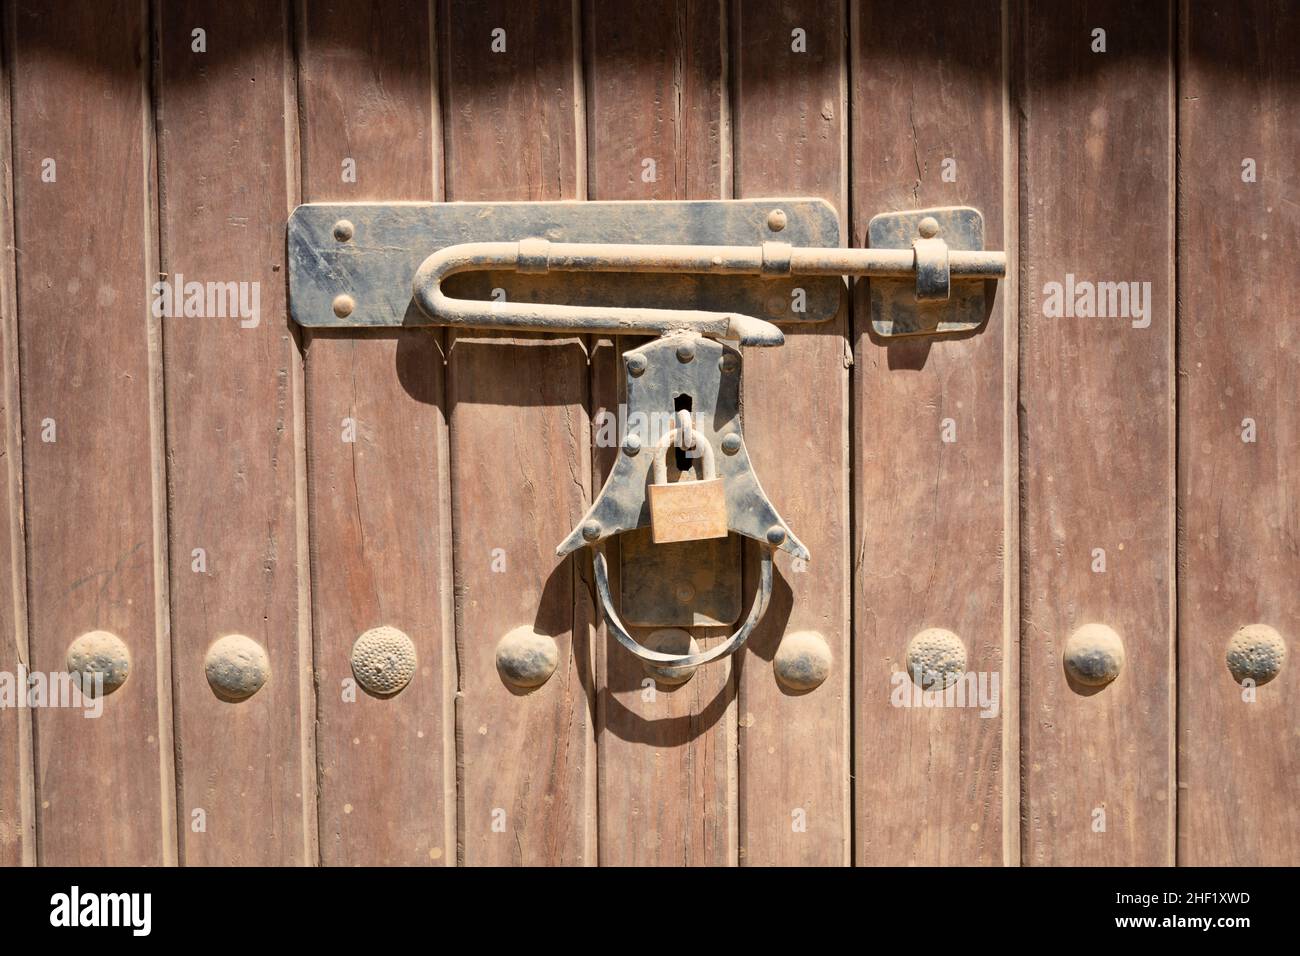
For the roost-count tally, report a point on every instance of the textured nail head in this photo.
(936, 658)
(1256, 652)
(383, 660)
(237, 667)
(525, 658)
(803, 661)
(1094, 655)
(99, 652)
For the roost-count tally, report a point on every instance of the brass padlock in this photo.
(687, 510)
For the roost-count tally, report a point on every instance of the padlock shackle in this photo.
(659, 466)
(732, 644)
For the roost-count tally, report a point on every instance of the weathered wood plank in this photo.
(667, 752)
(791, 139)
(930, 464)
(380, 529)
(1097, 431)
(520, 468)
(1239, 361)
(17, 796)
(83, 194)
(228, 175)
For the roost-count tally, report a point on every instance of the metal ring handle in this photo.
(729, 646)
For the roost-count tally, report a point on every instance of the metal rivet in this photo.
(383, 660)
(928, 227)
(685, 592)
(1094, 655)
(802, 661)
(236, 667)
(636, 364)
(343, 305)
(775, 534)
(526, 658)
(775, 306)
(686, 352)
(670, 640)
(1256, 652)
(731, 443)
(591, 530)
(99, 652)
(776, 220)
(936, 656)
(631, 445)
(343, 230)
(728, 362)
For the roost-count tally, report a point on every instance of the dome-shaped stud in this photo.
(670, 640)
(803, 661)
(1256, 652)
(99, 653)
(383, 660)
(525, 658)
(1094, 655)
(237, 667)
(936, 658)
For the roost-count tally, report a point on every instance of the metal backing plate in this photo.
(684, 584)
(894, 308)
(389, 241)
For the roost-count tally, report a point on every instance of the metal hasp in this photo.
(691, 273)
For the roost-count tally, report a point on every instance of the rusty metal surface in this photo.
(374, 257)
(684, 584)
(930, 304)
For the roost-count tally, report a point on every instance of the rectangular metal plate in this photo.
(894, 309)
(390, 240)
(687, 584)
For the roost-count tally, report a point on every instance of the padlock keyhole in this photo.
(684, 462)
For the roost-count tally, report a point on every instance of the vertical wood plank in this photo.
(1239, 359)
(88, 358)
(791, 130)
(930, 514)
(520, 468)
(667, 753)
(17, 797)
(228, 176)
(1097, 432)
(379, 524)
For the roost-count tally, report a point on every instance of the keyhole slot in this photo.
(681, 459)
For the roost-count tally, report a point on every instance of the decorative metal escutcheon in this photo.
(704, 277)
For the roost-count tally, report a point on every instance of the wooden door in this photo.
(1100, 482)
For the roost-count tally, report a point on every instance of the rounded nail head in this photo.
(775, 534)
(343, 305)
(631, 445)
(776, 220)
(936, 658)
(728, 362)
(928, 227)
(1256, 652)
(237, 667)
(383, 660)
(731, 443)
(685, 593)
(686, 352)
(1094, 655)
(591, 530)
(636, 364)
(803, 661)
(99, 653)
(525, 658)
(670, 640)
(343, 230)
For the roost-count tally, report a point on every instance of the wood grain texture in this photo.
(380, 525)
(520, 467)
(930, 520)
(1097, 433)
(88, 365)
(17, 796)
(667, 753)
(227, 168)
(1238, 358)
(791, 129)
